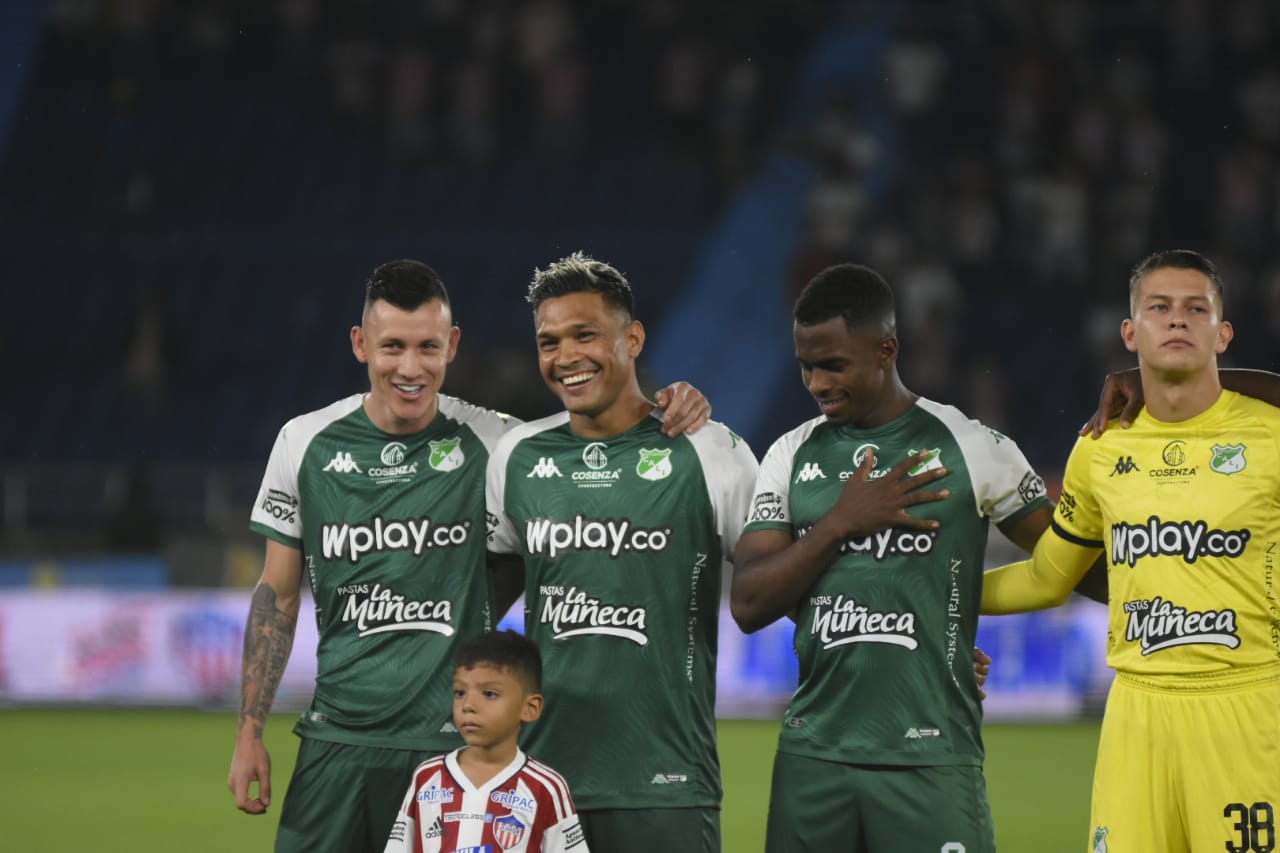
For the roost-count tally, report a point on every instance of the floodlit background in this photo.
(192, 193)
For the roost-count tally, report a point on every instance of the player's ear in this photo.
(532, 708)
(455, 334)
(635, 338)
(358, 344)
(888, 350)
(1225, 334)
(1127, 330)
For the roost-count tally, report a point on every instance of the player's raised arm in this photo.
(772, 569)
(684, 408)
(268, 639)
(1122, 394)
(1056, 567)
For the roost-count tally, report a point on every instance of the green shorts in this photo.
(829, 805)
(344, 798)
(692, 830)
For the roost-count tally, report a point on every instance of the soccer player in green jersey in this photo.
(380, 498)
(881, 745)
(1183, 507)
(622, 534)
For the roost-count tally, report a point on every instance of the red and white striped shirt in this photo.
(525, 808)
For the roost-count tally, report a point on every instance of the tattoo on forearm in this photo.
(268, 638)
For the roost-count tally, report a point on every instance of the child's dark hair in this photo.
(506, 650)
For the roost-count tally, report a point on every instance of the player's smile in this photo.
(578, 378)
(585, 351)
(407, 353)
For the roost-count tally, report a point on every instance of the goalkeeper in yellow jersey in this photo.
(1186, 505)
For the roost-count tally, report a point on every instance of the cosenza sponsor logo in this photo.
(353, 541)
(613, 536)
(1189, 540)
(885, 543)
(393, 467)
(839, 621)
(1158, 624)
(573, 613)
(377, 610)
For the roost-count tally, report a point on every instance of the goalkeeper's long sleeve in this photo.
(1046, 580)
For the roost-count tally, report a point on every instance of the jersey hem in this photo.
(433, 745)
(276, 535)
(880, 757)
(634, 800)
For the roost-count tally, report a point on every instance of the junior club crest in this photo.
(1228, 458)
(654, 464)
(446, 454)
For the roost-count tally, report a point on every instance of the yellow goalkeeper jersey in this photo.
(1189, 515)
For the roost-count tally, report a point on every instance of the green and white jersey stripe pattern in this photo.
(885, 635)
(392, 537)
(624, 542)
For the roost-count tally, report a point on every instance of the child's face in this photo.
(489, 704)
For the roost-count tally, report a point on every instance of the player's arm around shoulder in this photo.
(1061, 555)
(268, 639)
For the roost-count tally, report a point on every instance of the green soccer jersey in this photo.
(885, 635)
(624, 542)
(391, 529)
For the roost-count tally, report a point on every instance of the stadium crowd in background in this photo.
(1010, 175)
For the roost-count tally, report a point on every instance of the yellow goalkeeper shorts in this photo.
(1189, 764)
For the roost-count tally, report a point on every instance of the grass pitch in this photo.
(154, 781)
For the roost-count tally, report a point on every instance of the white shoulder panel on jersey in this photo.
(771, 497)
(487, 424)
(729, 468)
(281, 476)
(502, 536)
(1003, 480)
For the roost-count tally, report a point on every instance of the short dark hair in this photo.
(405, 284)
(857, 294)
(505, 650)
(1182, 259)
(581, 273)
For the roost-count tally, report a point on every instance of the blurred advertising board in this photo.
(183, 647)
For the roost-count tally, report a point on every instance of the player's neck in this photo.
(1171, 397)
(482, 763)
(624, 413)
(895, 402)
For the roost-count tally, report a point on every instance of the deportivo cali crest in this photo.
(1228, 458)
(654, 464)
(446, 454)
